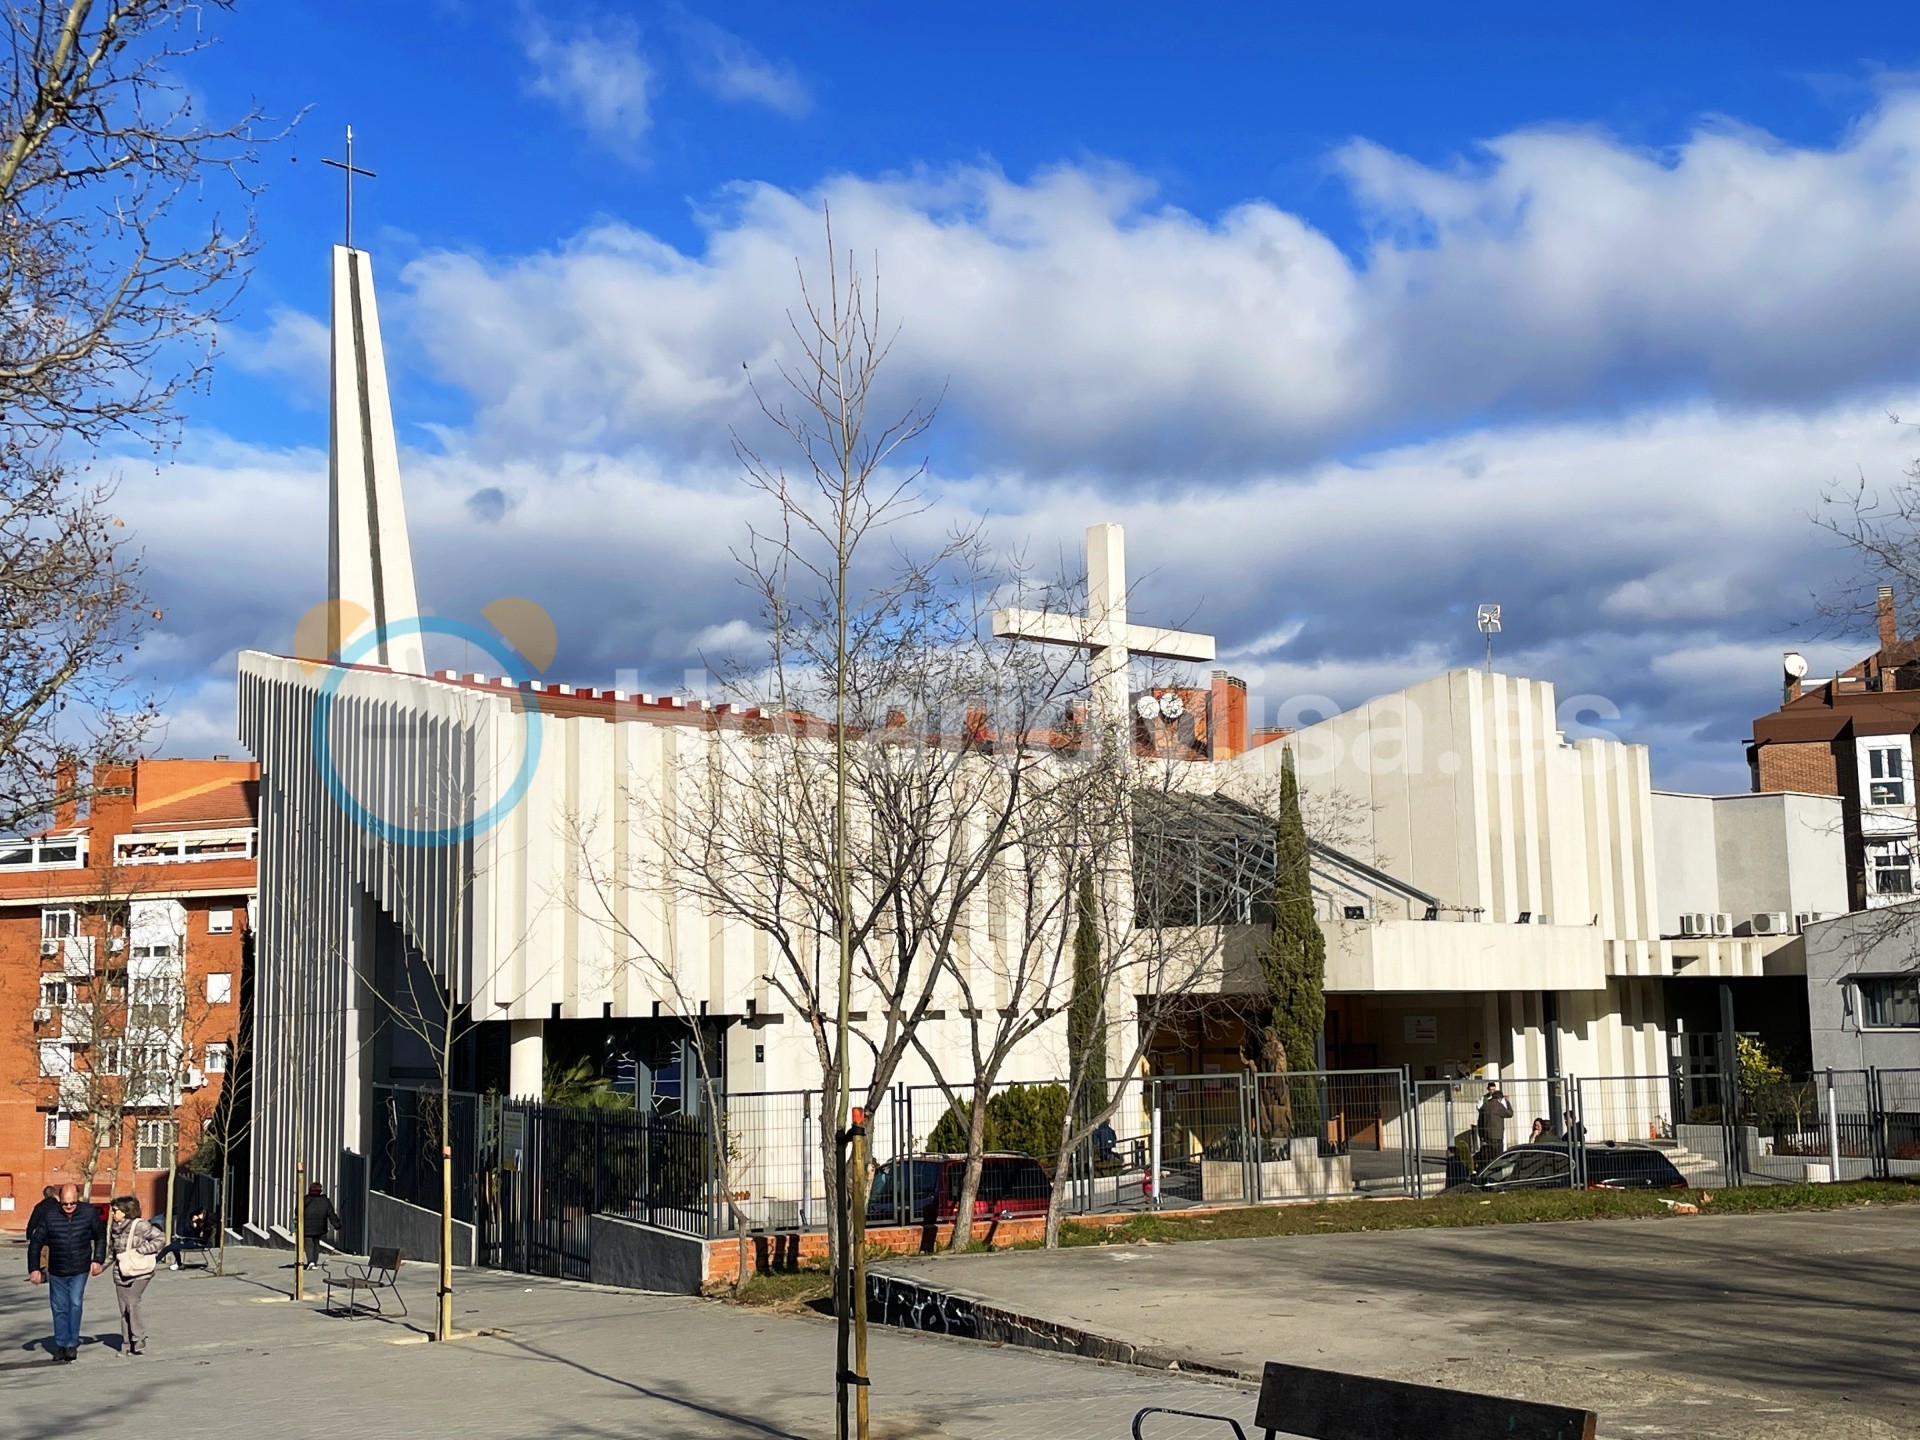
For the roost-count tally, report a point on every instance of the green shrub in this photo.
(1025, 1119)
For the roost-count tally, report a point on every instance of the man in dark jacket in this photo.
(76, 1245)
(317, 1216)
(1495, 1111)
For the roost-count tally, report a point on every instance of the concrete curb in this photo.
(940, 1310)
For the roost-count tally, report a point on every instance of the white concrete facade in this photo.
(508, 920)
(1540, 854)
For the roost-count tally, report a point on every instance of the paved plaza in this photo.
(229, 1359)
(1762, 1327)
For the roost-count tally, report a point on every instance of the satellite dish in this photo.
(1172, 707)
(1147, 707)
(1794, 663)
(1487, 617)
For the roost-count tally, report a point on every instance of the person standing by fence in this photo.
(76, 1246)
(135, 1245)
(1495, 1111)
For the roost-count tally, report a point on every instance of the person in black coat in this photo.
(76, 1246)
(317, 1216)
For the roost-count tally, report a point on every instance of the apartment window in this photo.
(217, 1058)
(111, 1058)
(58, 924)
(1887, 775)
(55, 1058)
(1892, 869)
(59, 1132)
(1890, 1002)
(153, 1144)
(54, 992)
(220, 989)
(220, 922)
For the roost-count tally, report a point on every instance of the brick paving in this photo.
(231, 1357)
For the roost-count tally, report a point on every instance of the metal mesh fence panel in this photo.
(1631, 1136)
(1315, 1135)
(1458, 1133)
(1898, 1095)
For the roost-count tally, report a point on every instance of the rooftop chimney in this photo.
(66, 793)
(1889, 627)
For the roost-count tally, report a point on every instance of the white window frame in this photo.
(155, 1140)
(59, 922)
(220, 920)
(55, 991)
(1887, 860)
(1887, 775)
(1860, 1007)
(218, 1053)
(220, 988)
(59, 1132)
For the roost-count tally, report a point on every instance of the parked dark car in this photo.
(1552, 1167)
(929, 1188)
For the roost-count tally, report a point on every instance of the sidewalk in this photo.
(231, 1357)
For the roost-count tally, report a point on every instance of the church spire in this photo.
(369, 559)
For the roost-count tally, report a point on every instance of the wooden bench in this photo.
(1326, 1405)
(380, 1273)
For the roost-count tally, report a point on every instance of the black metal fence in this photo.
(403, 1156)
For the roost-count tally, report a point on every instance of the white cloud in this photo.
(293, 346)
(599, 75)
(731, 69)
(1635, 373)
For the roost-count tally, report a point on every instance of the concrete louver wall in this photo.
(320, 872)
(521, 939)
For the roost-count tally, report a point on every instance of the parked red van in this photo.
(928, 1188)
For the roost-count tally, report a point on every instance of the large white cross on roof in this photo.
(1103, 632)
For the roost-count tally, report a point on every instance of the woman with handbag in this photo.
(135, 1246)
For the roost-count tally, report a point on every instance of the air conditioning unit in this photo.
(1543, 919)
(1722, 923)
(1769, 922)
(42, 1015)
(196, 1079)
(1809, 917)
(49, 949)
(1696, 923)
(116, 944)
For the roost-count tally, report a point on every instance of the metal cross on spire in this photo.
(1103, 632)
(352, 170)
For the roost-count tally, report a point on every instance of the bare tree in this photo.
(116, 266)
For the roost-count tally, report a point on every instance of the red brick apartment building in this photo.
(124, 952)
(1853, 736)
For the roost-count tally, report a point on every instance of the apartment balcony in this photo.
(43, 852)
(185, 847)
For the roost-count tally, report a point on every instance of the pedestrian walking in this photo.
(135, 1246)
(317, 1216)
(48, 1204)
(1495, 1111)
(76, 1246)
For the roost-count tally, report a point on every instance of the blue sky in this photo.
(1356, 318)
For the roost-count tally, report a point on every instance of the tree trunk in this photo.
(970, 1182)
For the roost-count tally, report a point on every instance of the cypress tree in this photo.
(1086, 1020)
(1296, 958)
